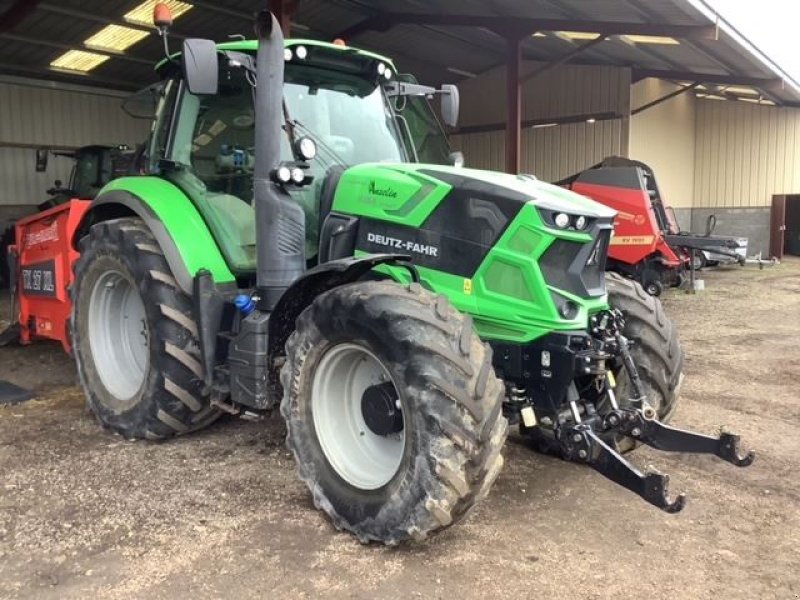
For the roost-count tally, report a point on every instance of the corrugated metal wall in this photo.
(556, 152)
(552, 153)
(44, 117)
(745, 153)
(664, 137)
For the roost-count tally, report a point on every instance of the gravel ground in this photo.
(84, 513)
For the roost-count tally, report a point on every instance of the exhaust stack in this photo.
(280, 222)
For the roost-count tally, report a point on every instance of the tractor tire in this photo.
(439, 448)
(699, 261)
(654, 287)
(135, 337)
(655, 348)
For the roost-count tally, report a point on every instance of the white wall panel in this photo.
(664, 137)
(53, 117)
(745, 154)
(551, 154)
(556, 152)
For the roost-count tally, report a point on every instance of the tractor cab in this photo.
(94, 166)
(342, 105)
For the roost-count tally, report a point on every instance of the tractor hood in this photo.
(409, 193)
(491, 242)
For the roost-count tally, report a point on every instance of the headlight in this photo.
(298, 175)
(568, 310)
(581, 222)
(306, 148)
(301, 52)
(287, 54)
(381, 68)
(561, 220)
(283, 174)
(387, 73)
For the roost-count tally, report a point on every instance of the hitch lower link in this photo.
(581, 442)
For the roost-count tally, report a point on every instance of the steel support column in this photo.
(513, 102)
(283, 11)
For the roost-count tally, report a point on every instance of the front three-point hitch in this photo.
(582, 441)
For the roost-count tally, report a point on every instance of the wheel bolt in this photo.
(582, 453)
(576, 437)
(636, 431)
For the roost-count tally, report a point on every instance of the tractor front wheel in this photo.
(393, 410)
(655, 349)
(135, 337)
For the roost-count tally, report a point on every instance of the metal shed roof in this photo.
(439, 40)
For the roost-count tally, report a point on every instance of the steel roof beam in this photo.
(564, 59)
(86, 79)
(50, 44)
(504, 25)
(664, 98)
(724, 79)
(587, 118)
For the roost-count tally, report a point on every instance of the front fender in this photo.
(319, 280)
(177, 225)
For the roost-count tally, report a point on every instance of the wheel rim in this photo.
(361, 457)
(118, 335)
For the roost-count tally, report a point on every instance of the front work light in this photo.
(306, 148)
(561, 220)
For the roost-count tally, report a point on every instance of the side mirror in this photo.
(200, 66)
(456, 158)
(450, 104)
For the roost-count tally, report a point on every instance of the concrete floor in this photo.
(84, 513)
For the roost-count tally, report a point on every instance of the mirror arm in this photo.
(401, 88)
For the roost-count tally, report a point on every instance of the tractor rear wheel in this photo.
(655, 348)
(393, 410)
(135, 337)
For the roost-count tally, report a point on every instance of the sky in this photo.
(771, 25)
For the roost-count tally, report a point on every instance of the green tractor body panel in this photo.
(197, 247)
(481, 239)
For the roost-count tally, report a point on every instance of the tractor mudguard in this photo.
(317, 281)
(182, 234)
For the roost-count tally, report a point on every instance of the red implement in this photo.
(44, 258)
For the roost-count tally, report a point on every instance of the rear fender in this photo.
(177, 225)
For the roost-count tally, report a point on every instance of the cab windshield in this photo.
(349, 117)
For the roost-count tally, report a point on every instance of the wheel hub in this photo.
(359, 425)
(380, 406)
(118, 335)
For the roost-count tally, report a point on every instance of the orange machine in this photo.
(42, 260)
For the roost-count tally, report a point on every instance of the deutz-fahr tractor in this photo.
(301, 239)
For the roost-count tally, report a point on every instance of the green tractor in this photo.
(302, 239)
